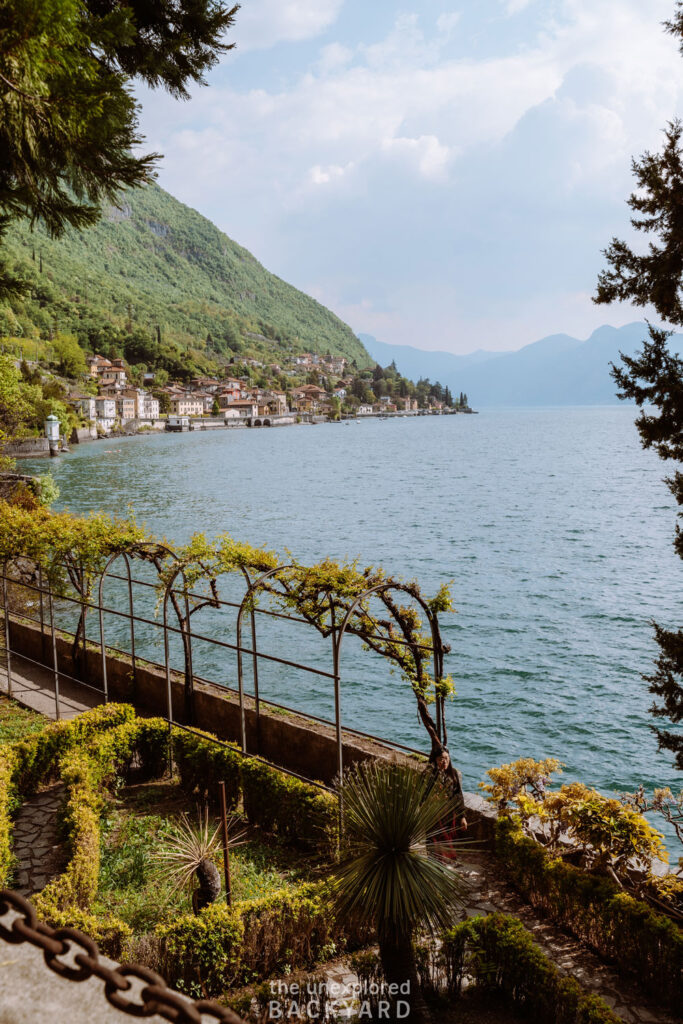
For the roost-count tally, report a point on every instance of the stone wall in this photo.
(290, 740)
(82, 434)
(29, 448)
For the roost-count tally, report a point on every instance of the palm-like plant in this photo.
(389, 873)
(187, 851)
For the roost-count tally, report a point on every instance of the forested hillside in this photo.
(155, 276)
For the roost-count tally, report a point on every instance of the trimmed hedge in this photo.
(500, 954)
(226, 946)
(595, 910)
(276, 802)
(86, 772)
(29, 763)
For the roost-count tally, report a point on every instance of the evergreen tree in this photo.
(654, 377)
(68, 117)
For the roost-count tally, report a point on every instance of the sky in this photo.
(443, 175)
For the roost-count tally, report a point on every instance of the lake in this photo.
(553, 525)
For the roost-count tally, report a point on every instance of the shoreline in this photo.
(38, 447)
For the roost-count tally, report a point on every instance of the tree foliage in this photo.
(68, 117)
(654, 377)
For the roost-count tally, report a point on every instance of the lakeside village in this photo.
(112, 397)
(330, 391)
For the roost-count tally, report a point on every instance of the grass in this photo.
(132, 881)
(17, 722)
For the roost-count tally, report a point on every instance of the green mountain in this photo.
(156, 269)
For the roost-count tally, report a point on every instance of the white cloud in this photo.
(362, 150)
(426, 153)
(262, 23)
(446, 23)
(324, 175)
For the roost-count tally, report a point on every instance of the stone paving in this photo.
(36, 845)
(488, 892)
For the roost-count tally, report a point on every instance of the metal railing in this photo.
(22, 574)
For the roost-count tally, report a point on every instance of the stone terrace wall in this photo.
(289, 740)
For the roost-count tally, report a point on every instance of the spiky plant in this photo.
(389, 873)
(186, 851)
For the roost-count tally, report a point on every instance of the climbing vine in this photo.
(390, 616)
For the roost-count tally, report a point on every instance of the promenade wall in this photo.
(292, 741)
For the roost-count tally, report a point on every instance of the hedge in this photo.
(226, 946)
(276, 802)
(597, 911)
(500, 955)
(86, 772)
(29, 763)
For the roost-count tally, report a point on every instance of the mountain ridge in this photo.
(152, 262)
(556, 370)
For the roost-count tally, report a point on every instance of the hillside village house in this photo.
(148, 406)
(308, 397)
(187, 405)
(105, 409)
(125, 407)
(246, 407)
(365, 410)
(335, 364)
(85, 405)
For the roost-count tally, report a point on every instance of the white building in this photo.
(86, 406)
(148, 406)
(105, 409)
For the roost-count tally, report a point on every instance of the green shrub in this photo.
(599, 913)
(224, 946)
(38, 756)
(113, 937)
(203, 948)
(152, 747)
(7, 765)
(300, 813)
(86, 771)
(202, 764)
(501, 955)
(273, 800)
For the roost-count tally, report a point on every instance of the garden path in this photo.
(489, 892)
(36, 844)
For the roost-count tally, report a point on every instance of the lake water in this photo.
(553, 524)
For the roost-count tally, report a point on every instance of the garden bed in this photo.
(17, 722)
(132, 881)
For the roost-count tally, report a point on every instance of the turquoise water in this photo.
(553, 525)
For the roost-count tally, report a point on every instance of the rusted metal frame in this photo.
(221, 601)
(252, 587)
(62, 674)
(55, 659)
(337, 677)
(8, 649)
(101, 609)
(42, 611)
(186, 633)
(195, 636)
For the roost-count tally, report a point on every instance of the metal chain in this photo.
(154, 998)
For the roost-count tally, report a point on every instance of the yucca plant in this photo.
(187, 852)
(389, 873)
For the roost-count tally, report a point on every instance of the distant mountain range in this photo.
(558, 370)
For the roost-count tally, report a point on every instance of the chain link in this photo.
(155, 997)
